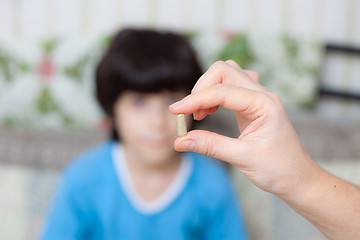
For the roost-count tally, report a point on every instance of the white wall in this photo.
(331, 20)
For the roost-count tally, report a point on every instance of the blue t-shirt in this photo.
(91, 203)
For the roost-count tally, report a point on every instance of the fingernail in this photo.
(195, 115)
(188, 145)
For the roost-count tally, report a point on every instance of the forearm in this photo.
(331, 204)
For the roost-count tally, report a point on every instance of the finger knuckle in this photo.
(230, 61)
(256, 76)
(218, 65)
(209, 149)
(220, 93)
(275, 101)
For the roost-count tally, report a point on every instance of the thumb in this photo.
(211, 144)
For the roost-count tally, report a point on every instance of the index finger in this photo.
(229, 73)
(247, 101)
(253, 75)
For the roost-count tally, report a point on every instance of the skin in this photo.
(268, 152)
(148, 130)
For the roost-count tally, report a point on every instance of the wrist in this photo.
(306, 185)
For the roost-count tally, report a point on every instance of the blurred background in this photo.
(307, 51)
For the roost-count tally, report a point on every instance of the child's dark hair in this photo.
(147, 61)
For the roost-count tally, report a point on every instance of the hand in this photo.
(268, 150)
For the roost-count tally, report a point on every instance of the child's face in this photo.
(146, 127)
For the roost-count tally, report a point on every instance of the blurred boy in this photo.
(136, 186)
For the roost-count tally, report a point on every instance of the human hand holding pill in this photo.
(268, 142)
(268, 151)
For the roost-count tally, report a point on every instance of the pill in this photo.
(181, 125)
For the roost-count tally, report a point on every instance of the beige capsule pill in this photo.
(181, 125)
